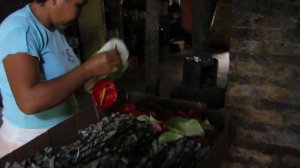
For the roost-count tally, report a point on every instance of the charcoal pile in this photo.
(121, 140)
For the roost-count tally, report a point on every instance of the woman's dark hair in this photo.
(40, 1)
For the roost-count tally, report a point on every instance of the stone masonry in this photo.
(263, 95)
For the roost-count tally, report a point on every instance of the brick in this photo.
(235, 89)
(242, 55)
(282, 48)
(242, 157)
(251, 114)
(247, 7)
(272, 71)
(270, 93)
(245, 45)
(268, 139)
(269, 48)
(262, 96)
(257, 34)
(274, 8)
(278, 94)
(235, 101)
(249, 157)
(263, 57)
(289, 81)
(286, 161)
(280, 106)
(293, 34)
(291, 118)
(249, 21)
(258, 21)
(250, 67)
(283, 8)
(236, 104)
(291, 2)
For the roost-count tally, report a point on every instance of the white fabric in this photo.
(7, 147)
(110, 45)
(121, 47)
(12, 137)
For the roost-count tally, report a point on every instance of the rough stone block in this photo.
(253, 115)
(268, 139)
(251, 158)
(244, 158)
(258, 21)
(274, 8)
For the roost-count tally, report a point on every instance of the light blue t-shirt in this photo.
(21, 32)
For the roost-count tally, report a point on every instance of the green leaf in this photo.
(206, 125)
(175, 130)
(189, 127)
(153, 120)
(144, 118)
(148, 120)
(168, 137)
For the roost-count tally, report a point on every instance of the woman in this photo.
(39, 72)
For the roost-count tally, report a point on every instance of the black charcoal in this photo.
(120, 141)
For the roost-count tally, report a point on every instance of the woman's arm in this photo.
(33, 95)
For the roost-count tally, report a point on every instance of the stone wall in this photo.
(263, 95)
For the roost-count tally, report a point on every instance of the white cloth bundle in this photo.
(124, 53)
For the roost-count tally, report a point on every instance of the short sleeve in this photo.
(20, 40)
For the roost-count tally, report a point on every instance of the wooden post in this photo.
(152, 46)
(201, 20)
(92, 28)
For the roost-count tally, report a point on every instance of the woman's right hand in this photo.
(102, 63)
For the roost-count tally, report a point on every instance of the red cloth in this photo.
(186, 15)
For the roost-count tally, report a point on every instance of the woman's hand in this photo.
(102, 63)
